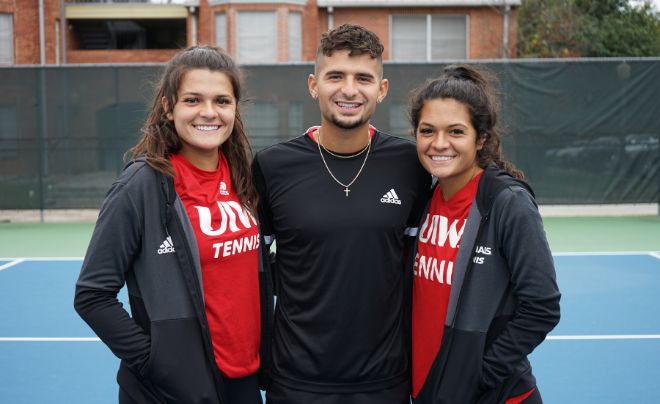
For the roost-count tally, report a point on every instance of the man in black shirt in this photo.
(341, 199)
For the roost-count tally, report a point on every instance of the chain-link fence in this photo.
(583, 131)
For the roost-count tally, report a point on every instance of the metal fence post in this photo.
(41, 136)
(115, 140)
(65, 118)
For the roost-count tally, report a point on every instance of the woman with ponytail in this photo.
(484, 293)
(178, 229)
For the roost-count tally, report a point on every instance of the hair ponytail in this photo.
(471, 88)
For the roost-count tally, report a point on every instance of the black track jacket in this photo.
(504, 298)
(144, 238)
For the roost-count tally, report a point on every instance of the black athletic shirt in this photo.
(339, 270)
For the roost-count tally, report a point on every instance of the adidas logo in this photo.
(223, 189)
(391, 197)
(167, 246)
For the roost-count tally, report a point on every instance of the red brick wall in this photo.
(513, 33)
(26, 32)
(485, 29)
(189, 29)
(26, 29)
(52, 14)
(231, 34)
(7, 6)
(205, 24)
(120, 56)
(282, 35)
(311, 34)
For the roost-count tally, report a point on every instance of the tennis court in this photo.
(605, 349)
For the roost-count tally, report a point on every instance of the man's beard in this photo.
(346, 125)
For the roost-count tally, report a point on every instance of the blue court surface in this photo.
(606, 348)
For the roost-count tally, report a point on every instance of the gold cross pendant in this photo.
(347, 191)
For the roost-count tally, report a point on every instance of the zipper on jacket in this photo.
(468, 271)
(197, 303)
(201, 315)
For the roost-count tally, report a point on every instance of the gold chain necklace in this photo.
(345, 157)
(368, 148)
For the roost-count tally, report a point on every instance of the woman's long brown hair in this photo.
(160, 138)
(470, 87)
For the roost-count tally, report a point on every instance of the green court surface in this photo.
(565, 234)
(34, 240)
(603, 234)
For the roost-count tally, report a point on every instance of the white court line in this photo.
(11, 264)
(558, 254)
(556, 337)
(602, 337)
(569, 254)
(46, 259)
(30, 339)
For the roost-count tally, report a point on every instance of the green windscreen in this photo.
(583, 131)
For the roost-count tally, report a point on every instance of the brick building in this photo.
(253, 31)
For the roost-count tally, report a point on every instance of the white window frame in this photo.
(429, 35)
(226, 37)
(298, 56)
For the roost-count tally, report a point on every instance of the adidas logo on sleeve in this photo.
(167, 246)
(391, 197)
(223, 189)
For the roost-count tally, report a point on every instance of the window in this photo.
(429, 37)
(8, 130)
(448, 37)
(295, 37)
(257, 36)
(6, 39)
(409, 37)
(221, 30)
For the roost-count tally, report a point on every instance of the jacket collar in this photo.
(493, 181)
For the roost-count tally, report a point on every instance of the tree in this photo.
(594, 28)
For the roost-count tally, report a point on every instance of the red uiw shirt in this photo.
(439, 240)
(228, 240)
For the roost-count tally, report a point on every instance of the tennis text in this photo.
(429, 268)
(237, 246)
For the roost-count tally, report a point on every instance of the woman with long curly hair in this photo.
(484, 293)
(178, 229)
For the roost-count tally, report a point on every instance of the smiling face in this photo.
(447, 144)
(203, 114)
(348, 88)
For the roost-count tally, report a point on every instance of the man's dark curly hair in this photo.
(356, 39)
